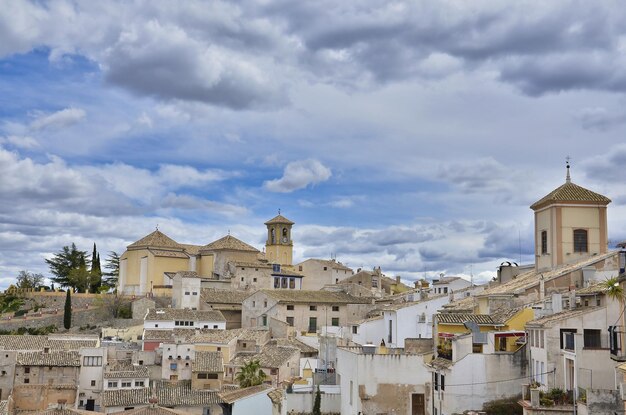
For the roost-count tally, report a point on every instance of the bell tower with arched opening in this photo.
(279, 246)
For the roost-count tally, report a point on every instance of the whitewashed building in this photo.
(173, 318)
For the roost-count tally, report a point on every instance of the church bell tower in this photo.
(279, 246)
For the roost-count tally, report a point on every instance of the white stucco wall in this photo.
(259, 404)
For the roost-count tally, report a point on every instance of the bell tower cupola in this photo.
(279, 246)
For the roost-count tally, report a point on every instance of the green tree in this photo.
(96, 272)
(27, 279)
(251, 374)
(67, 315)
(63, 262)
(113, 265)
(317, 404)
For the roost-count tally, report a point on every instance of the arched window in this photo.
(285, 238)
(580, 240)
(273, 236)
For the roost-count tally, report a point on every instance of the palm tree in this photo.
(251, 374)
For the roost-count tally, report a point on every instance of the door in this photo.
(418, 406)
(312, 324)
(91, 403)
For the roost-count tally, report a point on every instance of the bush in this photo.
(506, 406)
(125, 311)
(20, 313)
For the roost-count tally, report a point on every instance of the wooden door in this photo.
(418, 405)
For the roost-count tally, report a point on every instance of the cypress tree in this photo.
(67, 315)
(96, 273)
(317, 404)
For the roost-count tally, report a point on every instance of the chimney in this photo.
(61, 404)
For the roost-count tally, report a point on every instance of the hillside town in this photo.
(227, 328)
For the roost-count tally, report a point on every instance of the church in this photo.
(149, 265)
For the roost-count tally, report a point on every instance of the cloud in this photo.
(188, 202)
(165, 62)
(24, 142)
(298, 175)
(599, 118)
(59, 119)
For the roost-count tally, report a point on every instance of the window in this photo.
(273, 371)
(202, 376)
(335, 321)
(290, 307)
(265, 304)
(112, 384)
(264, 318)
(93, 383)
(195, 293)
(292, 283)
(276, 282)
(355, 329)
(241, 279)
(390, 337)
(544, 242)
(580, 240)
(290, 321)
(335, 308)
(254, 279)
(173, 366)
(313, 308)
(219, 349)
(283, 283)
(26, 369)
(141, 363)
(186, 292)
(442, 382)
(254, 304)
(214, 326)
(276, 267)
(26, 380)
(126, 384)
(436, 381)
(156, 325)
(211, 375)
(299, 267)
(592, 338)
(139, 383)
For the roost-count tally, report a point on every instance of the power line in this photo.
(498, 381)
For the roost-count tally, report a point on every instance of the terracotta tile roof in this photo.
(269, 357)
(440, 363)
(399, 306)
(156, 239)
(168, 254)
(229, 243)
(530, 279)
(330, 263)
(214, 336)
(191, 249)
(30, 342)
(291, 342)
(504, 314)
(180, 393)
(218, 296)
(365, 320)
(238, 394)
(175, 393)
(554, 318)
(570, 192)
(125, 370)
(208, 362)
(169, 314)
(259, 335)
(593, 289)
(446, 280)
(52, 358)
(124, 397)
(155, 334)
(4, 407)
(67, 410)
(153, 410)
(279, 219)
(464, 304)
(460, 318)
(258, 264)
(276, 395)
(312, 296)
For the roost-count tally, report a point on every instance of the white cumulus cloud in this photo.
(298, 175)
(59, 119)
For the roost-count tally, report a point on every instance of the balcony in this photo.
(617, 335)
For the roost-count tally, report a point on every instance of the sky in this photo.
(413, 136)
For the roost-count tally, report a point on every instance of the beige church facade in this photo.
(570, 225)
(147, 264)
